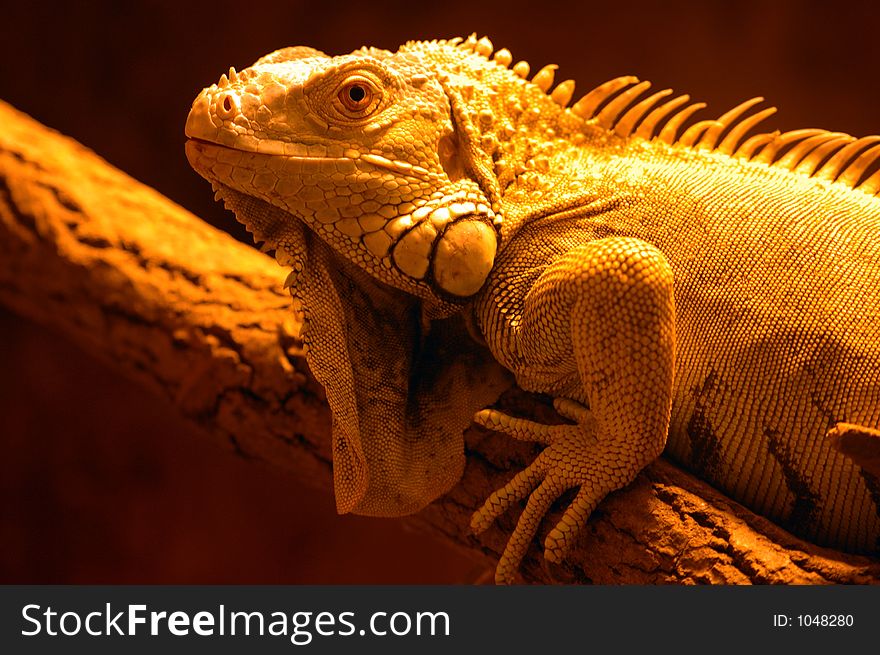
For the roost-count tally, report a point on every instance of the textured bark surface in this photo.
(202, 320)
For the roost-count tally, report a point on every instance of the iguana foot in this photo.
(568, 461)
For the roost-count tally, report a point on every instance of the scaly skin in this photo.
(716, 290)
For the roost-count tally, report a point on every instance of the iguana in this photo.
(682, 287)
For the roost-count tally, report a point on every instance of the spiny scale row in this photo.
(227, 79)
(831, 156)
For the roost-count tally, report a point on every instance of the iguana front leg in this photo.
(603, 313)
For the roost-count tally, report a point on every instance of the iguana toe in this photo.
(519, 487)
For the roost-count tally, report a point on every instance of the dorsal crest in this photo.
(617, 105)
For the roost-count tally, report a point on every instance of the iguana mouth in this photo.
(205, 142)
(295, 151)
(299, 152)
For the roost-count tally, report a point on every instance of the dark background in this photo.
(103, 483)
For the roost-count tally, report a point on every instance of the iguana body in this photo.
(718, 289)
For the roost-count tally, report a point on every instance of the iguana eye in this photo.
(358, 98)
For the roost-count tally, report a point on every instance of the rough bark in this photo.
(202, 320)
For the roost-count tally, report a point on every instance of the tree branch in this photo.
(202, 320)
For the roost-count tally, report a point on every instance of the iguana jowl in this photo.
(657, 279)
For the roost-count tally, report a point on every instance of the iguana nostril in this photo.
(227, 105)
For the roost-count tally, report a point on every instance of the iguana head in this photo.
(372, 150)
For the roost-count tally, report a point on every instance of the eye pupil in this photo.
(357, 99)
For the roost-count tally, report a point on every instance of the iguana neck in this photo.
(530, 156)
